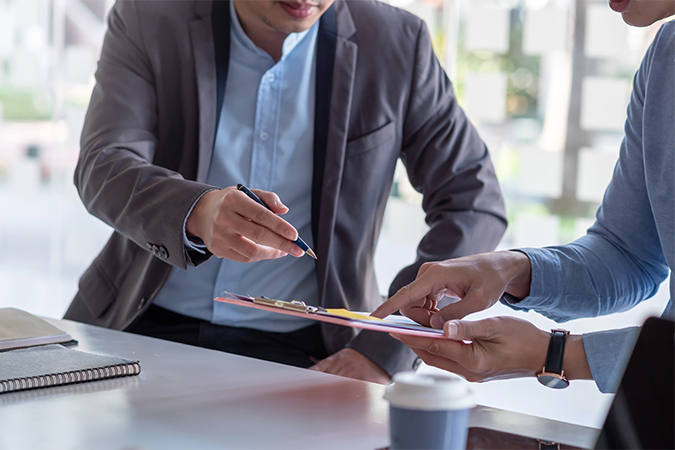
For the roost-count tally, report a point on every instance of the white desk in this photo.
(188, 397)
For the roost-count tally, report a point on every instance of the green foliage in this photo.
(20, 105)
(522, 70)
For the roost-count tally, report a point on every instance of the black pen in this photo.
(299, 242)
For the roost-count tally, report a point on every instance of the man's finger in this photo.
(417, 290)
(437, 296)
(258, 234)
(419, 315)
(233, 255)
(444, 363)
(245, 250)
(272, 200)
(257, 213)
(467, 330)
(423, 268)
(316, 367)
(447, 348)
(444, 351)
(471, 303)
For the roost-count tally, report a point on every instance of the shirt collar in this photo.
(289, 44)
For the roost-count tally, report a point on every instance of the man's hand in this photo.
(499, 348)
(478, 280)
(350, 363)
(235, 227)
(496, 348)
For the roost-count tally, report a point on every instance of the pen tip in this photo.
(310, 252)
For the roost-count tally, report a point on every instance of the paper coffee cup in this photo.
(428, 411)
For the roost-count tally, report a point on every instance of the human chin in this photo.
(293, 16)
(640, 18)
(644, 13)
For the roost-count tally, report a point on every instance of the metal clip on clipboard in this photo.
(294, 305)
(337, 316)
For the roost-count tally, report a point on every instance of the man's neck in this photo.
(263, 36)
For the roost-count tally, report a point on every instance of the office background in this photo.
(547, 83)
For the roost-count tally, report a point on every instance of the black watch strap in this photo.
(556, 351)
(552, 374)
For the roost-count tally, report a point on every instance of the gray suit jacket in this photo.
(381, 95)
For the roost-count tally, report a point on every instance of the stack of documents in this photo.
(31, 356)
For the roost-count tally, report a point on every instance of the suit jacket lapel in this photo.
(336, 67)
(211, 47)
(220, 21)
(202, 36)
(325, 58)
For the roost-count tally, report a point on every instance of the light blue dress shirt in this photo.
(630, 249)
(264, 140)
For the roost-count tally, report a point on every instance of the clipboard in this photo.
(337, 316)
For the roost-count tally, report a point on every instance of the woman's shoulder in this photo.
(668, 28)
(657, 64)
(664, 41)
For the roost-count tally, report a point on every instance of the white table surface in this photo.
(189, 397)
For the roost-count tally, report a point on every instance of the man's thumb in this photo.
(465, 330)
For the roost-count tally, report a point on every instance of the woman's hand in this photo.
(496, 348)
(478, 281)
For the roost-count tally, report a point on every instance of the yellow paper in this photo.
(351, 315)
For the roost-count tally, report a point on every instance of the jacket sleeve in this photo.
(449, 164)
(115, 175)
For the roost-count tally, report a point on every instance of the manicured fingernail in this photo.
(451, 329)
(436, 321)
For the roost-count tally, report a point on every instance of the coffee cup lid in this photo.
(429, 392)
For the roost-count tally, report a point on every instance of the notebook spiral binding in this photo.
(75, 376)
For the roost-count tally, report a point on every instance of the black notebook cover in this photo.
(53, 365)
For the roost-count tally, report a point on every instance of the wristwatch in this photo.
(553, 375)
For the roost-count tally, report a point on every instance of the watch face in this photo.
(553, 380)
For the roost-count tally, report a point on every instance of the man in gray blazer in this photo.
(309, 102)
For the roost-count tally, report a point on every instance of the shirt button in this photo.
(270, 77)
(264, 135)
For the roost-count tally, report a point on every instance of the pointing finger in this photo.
(415, 291)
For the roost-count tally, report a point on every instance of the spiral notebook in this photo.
(54, 365)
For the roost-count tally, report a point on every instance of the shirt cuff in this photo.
(194, 243)
(545, 284)
(608, 353)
